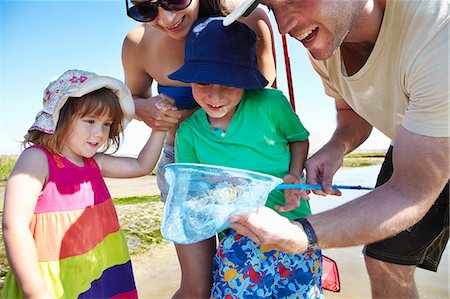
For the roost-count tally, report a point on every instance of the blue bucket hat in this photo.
(215, 54)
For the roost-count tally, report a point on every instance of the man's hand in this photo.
(268, 228)
(320, 169)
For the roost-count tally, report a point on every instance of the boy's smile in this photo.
(218, 101)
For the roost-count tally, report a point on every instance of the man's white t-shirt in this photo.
(405, 79)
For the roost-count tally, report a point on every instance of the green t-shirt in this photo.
(256, 139)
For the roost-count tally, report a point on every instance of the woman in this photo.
(153, 50)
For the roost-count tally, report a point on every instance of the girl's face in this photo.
(219, 101)
(176, 24)
(85, 136)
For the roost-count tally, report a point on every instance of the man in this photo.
(386, 64)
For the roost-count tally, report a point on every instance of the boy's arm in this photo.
(22, 190)
(126, 167)
(299, 154)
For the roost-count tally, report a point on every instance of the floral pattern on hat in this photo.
(76, 83)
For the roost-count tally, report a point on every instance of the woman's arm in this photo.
(139, 81)
(260, 23)
(22, 190)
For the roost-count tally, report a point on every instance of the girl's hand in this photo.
(164, 103)
(292, 196)
(157, 119)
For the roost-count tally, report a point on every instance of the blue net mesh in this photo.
(202, 197)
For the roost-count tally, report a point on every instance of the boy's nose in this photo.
(165, 17)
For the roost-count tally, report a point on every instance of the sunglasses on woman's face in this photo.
(147, 11)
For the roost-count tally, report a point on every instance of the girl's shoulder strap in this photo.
(54, 160)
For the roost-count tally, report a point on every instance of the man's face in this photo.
(320, 25)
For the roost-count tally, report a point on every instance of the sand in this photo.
(158, 273)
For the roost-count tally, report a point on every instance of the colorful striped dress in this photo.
(81, 249)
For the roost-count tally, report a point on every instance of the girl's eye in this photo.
(90, 121)
(108, 124)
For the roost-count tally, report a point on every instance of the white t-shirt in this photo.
(405, 79)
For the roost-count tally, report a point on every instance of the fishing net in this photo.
(201, 198)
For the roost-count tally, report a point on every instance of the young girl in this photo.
(243, 125)
(60, 227)
(153, 50)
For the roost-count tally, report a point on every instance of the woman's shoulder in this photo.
(138, 39)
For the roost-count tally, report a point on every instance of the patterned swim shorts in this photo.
(244, 269)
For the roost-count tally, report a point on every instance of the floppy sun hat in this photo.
(77, 83)
(243, 10)
(215, 54)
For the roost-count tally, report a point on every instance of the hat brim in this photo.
(118, 87)
(244, 10)
(207, 72)
(46, 119)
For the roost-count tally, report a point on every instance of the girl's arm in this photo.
(22, 190)
(299, 154)
(125, 167)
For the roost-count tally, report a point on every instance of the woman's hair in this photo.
(100, 102)
(212, 8)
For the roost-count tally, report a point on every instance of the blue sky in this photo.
(41, 39)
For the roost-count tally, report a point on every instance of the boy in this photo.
(243, 125)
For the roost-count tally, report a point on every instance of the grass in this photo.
(359, 159)
(6, 165)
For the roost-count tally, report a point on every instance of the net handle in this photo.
(319, 187)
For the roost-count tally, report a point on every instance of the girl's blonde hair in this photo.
(100, 102)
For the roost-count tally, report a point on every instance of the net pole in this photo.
(287, 63)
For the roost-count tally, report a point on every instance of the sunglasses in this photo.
(147, 11)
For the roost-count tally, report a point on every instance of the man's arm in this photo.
(351, 131)
(421, 171)
(421, 166)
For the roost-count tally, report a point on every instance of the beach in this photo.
(158, 273)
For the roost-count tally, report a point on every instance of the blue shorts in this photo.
(244, 269)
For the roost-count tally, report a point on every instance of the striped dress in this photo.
(81, 249)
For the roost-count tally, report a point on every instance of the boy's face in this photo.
(219, 101)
